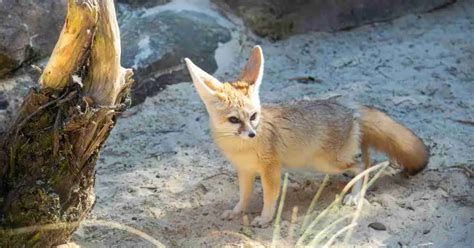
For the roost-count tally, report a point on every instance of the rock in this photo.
(278, 19)
(377, 226)
(144, 3)
(12, 91)
(28, 30)
(155, 43)
(342, 62)
(3, 102)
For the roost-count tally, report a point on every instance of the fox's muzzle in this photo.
(247, 131)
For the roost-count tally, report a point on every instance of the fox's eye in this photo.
(234, 120)
(253, 117)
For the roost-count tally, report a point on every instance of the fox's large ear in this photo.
(206, 85)
(253, 71)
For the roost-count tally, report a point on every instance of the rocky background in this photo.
(156, 39)
(160, 171)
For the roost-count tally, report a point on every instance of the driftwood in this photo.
(48, 156)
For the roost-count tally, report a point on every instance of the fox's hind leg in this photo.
(353, 197)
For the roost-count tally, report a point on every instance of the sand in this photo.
(161, 173)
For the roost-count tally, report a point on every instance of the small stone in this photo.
(342, 62)
(203, 188)
(3, 104)
(426, 231)
(377, 226)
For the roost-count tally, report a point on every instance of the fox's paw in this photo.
(261, 222)
(352, 199)
(230, 214)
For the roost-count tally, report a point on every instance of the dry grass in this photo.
(108, 224)
(309, 236)
(276, 227)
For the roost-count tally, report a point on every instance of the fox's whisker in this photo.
(225, 132)
(225, 135)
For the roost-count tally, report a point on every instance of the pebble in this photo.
(377, 226)
(3, 104)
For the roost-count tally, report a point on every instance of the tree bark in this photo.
(48, 156)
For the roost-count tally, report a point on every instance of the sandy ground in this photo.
(161, 173)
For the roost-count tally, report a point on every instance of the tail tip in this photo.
(411, 171)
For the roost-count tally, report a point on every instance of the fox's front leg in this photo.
(246, 180)
(270, 177)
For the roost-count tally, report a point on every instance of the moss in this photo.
(265, 24)
(35, 239)
(48, 189)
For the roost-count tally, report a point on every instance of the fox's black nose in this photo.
(251, 135)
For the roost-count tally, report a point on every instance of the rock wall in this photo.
(279, 19)
(28, 31)
(155, 38)
(143, 3)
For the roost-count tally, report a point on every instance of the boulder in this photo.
(277, 19)
(155, 43)
(12, 91)
(28, 30)
(144, 3)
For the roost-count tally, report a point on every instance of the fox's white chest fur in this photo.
(242, 155)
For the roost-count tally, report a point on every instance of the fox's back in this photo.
(304, 130)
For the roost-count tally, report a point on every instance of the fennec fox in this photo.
(323, 134)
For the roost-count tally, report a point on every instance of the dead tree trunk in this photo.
(48, 156)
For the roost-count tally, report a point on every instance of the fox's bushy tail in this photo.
(384, 134)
